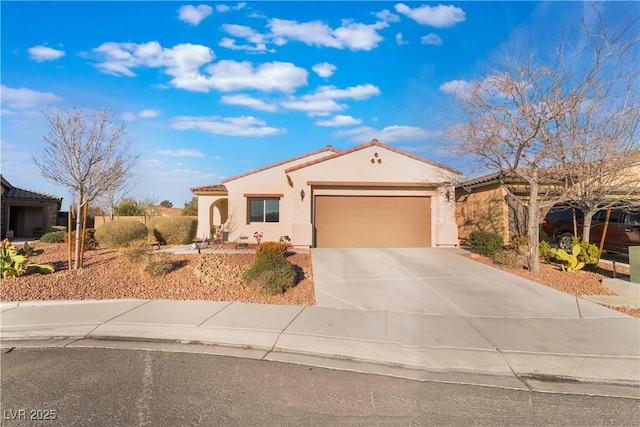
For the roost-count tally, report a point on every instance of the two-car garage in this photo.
(372, 221)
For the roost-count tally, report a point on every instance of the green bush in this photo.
(53, 237)
(546, 251)
(271, 274)
(588, 252)
(137, 251)
(486, 243)
(157, 264)
(173, 230)
(118, 234)
(268, 248)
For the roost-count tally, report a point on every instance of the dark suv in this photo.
(623, 230)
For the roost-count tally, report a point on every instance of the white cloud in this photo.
(248, 101)
(431, 38)
(271, 76)
(350, 35)
(149, 114)
(320, 107)
(440, 16)
(456, 87)
(358, 92)
(194, 14)
(44, 53)
(183, 62)
(247, 126)
(400, 39)
(145, 114)
(26, 98)
(222, 8)
(182, 152)
(387, 16)
(324, 69)
(128, 116)
(339, 120)
(388, 134)
(155, 163)
(258, 41)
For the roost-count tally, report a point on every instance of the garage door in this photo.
(372, 222)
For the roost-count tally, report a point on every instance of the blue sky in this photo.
(211, 90)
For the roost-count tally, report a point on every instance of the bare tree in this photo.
(86, 153)
(602, 132)
(110, 200)
(516, 119)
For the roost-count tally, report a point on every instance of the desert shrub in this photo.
(90, 241)
(485, 243)
(173, 230)
(588, 252)
(136, 251)
(118, 234)
(271, 274)
(268, 248)
(53, 237)
(547, 252)
(509, 258)
(157, 264)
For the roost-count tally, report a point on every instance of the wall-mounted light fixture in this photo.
(302, 194)
(447, 186)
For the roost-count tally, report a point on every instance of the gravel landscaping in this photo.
(217, 277)
(107, 276)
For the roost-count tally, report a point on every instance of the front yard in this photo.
(107, 276)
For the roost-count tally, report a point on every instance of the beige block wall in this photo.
(484, 210)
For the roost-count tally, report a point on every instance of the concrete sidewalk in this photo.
(597, 356)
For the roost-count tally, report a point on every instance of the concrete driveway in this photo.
(436, 281)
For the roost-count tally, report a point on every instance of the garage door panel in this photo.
(372, 221)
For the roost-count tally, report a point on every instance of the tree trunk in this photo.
(533, 233)
(586, 226)
(78, 209)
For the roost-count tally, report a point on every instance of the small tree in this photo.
(86, 153)
(190, 207)
(129, 207)
(166, 204)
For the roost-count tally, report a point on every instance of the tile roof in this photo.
(14, 192)
(216, 188)
(293, 159)
(484, 179)
(23, 193)
(372, 143)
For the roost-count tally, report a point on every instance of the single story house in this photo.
(372, 195)
(27, 213)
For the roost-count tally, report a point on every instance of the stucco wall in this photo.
(387, 167)
(482, 210)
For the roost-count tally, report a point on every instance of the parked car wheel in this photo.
(564, 241)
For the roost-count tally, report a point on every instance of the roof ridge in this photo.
(373, 143)
(329, 147)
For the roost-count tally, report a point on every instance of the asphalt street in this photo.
(93, 386)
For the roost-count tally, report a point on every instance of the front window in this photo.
(264, 210)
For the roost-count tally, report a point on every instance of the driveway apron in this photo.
(436, 281)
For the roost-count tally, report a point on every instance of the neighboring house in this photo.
(27, 213)
(372, 195)
(482, 204)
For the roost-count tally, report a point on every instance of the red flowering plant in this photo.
(258, 236)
